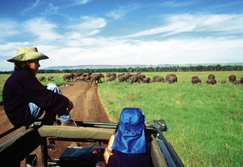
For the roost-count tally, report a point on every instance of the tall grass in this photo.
(204, 121)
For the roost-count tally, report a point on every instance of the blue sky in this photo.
(123, 32)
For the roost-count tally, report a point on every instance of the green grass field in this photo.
(205, 121)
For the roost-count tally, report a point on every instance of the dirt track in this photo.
(87, 106)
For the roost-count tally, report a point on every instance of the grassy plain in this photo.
(205, 121)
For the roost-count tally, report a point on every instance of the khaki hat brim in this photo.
(28, 57)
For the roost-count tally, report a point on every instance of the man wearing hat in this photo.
(25, 99)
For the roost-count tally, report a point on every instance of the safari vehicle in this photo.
(92, 137)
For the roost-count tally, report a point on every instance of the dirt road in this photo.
(87, 106)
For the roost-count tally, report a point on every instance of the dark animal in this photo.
(108, 75)
(76, 75)
(42, 78)
(97, 78)
(109, 79)
(119, 75)
(141, 77)
(211, 81)
(232, 78)
(146, 80)
(223, 81)
(76, 79)
(237, 82)
(82, 78)
(172, 79)
(211, 76)
(158, 79)
(68, 77)
(128, 75)
(88, 78)
(154, 78)
(195, 80)
(122, 78)
(168, 76)
(50, 78)
(134, 79)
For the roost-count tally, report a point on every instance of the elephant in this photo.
(141, 77)
(68, 77)
(158, 79)
(134, 78)
(42, 78)
(223, 81)
(168, 76)
(97, 77)
(76, 79)
(122, 78)
(108, 75)
(211, 76)
(232, 78)
(82, 78)
(109, 79)
(154, 78)
(172, 79)
(77, 75)
(146, 80)
(84, 75)
(128, 75)
(119, 75)
(211, 81)
(113, 75)
(195, 79)
(88, 78)
(238, 82)
(50, 78)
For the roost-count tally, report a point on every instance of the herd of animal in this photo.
(138, 77)
(212, 80)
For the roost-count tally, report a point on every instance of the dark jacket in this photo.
(21, 88)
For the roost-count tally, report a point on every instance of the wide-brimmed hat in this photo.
(28, 54)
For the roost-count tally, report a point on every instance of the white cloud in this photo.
(80, 43)
(33, 5)
(115, 52)
(122, 11)
(77, 2)
(84, 28)
(87, 23)
(179, 51)
(8, 28)
(176, 4)
(176, 24)
(42, 29)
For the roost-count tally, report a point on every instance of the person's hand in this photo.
(107, 154)
(70, 106)
(108, 150)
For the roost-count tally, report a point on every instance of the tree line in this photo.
(199, 68)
